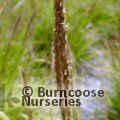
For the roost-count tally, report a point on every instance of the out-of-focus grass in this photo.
(114, 107)
(114, 104)
(27, 32)
(100, 17)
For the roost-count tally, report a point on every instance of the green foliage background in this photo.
(26, 35)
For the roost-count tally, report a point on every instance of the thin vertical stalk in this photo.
(62, 60)
(25, 83)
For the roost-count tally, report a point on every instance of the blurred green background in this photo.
(26, 54)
